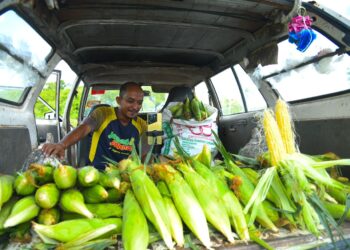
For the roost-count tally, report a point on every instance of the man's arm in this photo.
(70, 139)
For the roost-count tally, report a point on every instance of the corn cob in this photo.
(5, 212)
(285, 126)
(211, 204)
(105, 210)
(24, 210)
(336, 210)
(73, 201)
(65, 176)
(134, 230)
(151, 201)
(185, 202)
(230, 201)
(174, 217)
(66, 231)
(88, 176)
(47, 195)
(6, 190)
(195, 107)
(187, 109)
(42, 174)
(24, 183)
(49, 216)
(95, 194)
(110, 178)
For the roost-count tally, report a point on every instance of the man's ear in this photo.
(118, 99)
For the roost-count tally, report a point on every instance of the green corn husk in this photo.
(5, 212)
(71, 216)
(65, 176)
(24, 210)
(24, 183)
(175, 220)
(134, 237)
(95, 194)
(88, 176)
(230, 201)
(212, 205)
(99, 244)
(73, 201)
(67, 231)
(185, 202)
(339, 195)
(110, 178)
(42, 174)
(243, 187)
(187, 109)
(195, 108)
(205, 156)
(47, 195)
(336, 210)
(151, 201)
(114, 195)
(6, 188)
(105, 210)
(49, 216)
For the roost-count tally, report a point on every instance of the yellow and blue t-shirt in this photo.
(111, 139)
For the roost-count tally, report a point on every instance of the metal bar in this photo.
(240, 89)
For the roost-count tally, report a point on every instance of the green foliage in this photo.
(49, 95)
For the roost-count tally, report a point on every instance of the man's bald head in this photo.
(129, 86)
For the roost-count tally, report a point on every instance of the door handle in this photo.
(233, 127)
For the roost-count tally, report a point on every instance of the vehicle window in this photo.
(21, 49)
(20, 39)
(252, 95)
(153, 102)
(46, 104)
(228, 92)
(201, 91)
(330, 75)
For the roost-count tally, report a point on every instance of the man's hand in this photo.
(54, 149)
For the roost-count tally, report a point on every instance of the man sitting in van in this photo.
(114, 129)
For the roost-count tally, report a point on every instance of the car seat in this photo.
(178, 94)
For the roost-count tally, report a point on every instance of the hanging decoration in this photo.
(300, 31)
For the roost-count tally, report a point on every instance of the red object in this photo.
(97, 91)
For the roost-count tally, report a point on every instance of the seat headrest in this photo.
(178, 94)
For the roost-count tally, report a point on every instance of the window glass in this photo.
(252, 95)
(228, 92)
(21, 48)
(22, 40)
(46, 105)
(16, 79)
(330, 75)
(152, 102)
(202, 93)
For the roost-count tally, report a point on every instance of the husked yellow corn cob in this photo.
(285, 126)
(273, 138)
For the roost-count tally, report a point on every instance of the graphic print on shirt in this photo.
(118, 145)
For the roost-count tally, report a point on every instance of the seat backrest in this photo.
(84, 144)
(178, 94)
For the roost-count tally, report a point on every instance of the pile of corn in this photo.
(83, 208)
(189, 109)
